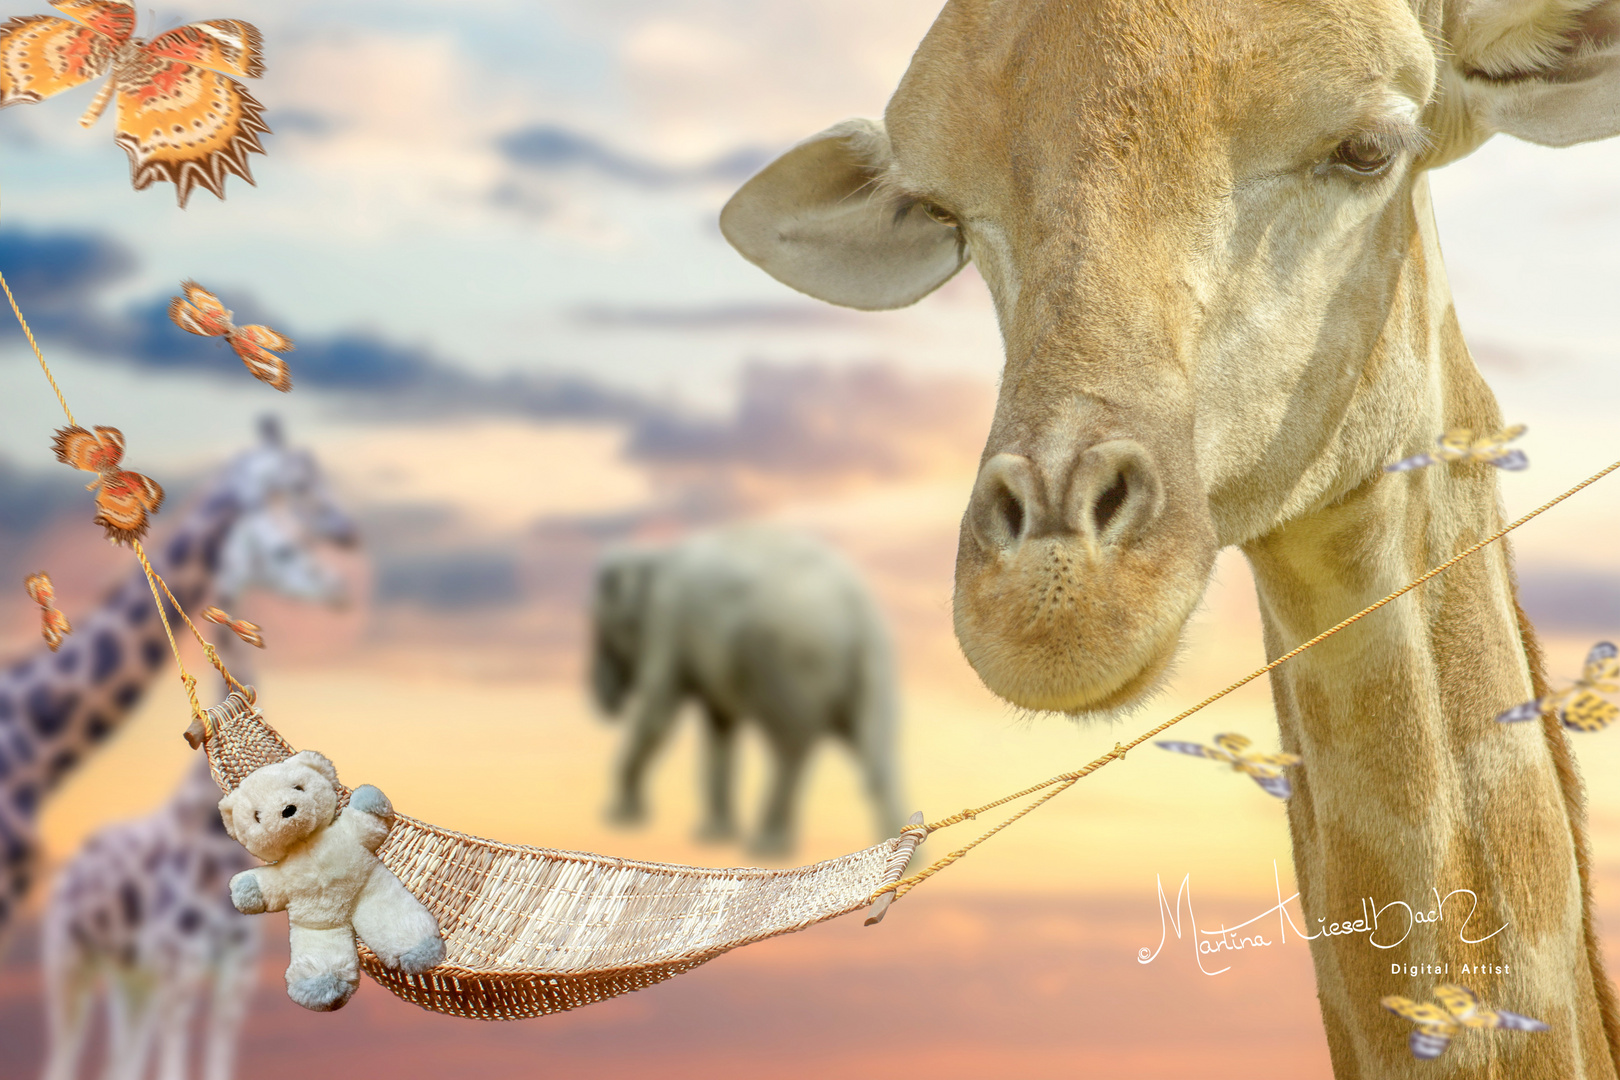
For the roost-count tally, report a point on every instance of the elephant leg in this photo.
(777, 826)
(719, 775)
(655, 715)
(878, 771)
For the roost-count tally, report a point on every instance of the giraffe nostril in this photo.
(289, 810)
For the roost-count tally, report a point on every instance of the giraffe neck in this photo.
(1410, 790)
(54, 708)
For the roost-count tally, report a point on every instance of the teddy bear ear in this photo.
(226, 805)
(319, 762)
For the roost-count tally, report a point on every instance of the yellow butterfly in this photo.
(1264, 769)
(1579, 707)
(1459, 444)
(54, 625)
(248, 632)
(1436, 1026)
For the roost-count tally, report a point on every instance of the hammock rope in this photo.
(530, 931)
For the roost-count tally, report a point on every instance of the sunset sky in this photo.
(491, 229)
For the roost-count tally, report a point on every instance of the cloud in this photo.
(1571, 601)
(553, 148)
(714, 317)
(810, 418)
(61, 280)
(450, 581)
(28, 500)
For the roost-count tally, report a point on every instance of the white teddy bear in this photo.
(325, 873)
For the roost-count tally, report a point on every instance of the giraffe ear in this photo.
(226, 806)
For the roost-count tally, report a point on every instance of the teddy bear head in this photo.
(277, 807)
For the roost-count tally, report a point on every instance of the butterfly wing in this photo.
(95, 452)
(1525, 710)
(1195, 749)
(1511, 460)
(187, 124)
(42, 55)
(1463, 1004)
(248, 632)
(1416, 461)
(1273, 784)
(54, 626)
(228, 46)
(1455, 444)
(126, 502)
(1588, 712)
(199, 312)
(1428, 1045)
(40, 589)
(1276, 761)
(254, 344)
(1435, 1026)
(1601, 663)
(1515, 1022)
(1232, 743)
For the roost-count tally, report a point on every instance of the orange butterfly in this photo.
(180, 118)
(248, 632)
(54, 625)
(200, 312)
(125, 499)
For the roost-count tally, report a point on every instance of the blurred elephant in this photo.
(755, 623)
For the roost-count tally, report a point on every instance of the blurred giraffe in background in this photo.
(57, 708)
(143, 912)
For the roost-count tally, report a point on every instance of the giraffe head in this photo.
(1205, 230)
(286, 509)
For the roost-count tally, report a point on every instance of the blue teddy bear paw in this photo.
(370, 800)
(246, 896)
(321, 993)
(426, 954)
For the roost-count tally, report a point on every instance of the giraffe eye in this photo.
(1362, 155)
(944, 217)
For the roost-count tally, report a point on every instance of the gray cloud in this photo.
(551, 148)
(714, 317)
(454, 580)
(1571, 601)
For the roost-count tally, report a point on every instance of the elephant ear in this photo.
(816, 219)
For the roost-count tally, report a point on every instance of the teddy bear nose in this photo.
(289, 810)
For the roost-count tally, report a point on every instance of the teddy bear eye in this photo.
(255, 817)
(298, 787)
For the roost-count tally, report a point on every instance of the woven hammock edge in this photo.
(510, 943)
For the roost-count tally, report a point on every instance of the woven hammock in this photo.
(530, 931)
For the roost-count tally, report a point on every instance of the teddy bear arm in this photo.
(369, 815)
(256, 891)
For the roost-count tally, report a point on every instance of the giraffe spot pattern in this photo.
(190, 921)
(179, 550)
(129, 903)
(139, 611)
(7, 710)
(25, 799)
(153, 650)
(98, 727)
(67, 661)
(126, 696)
(107, 654)
(49, 712)
(61, 763)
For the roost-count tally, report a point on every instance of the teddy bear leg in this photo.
(396, 926)
(325, 970)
